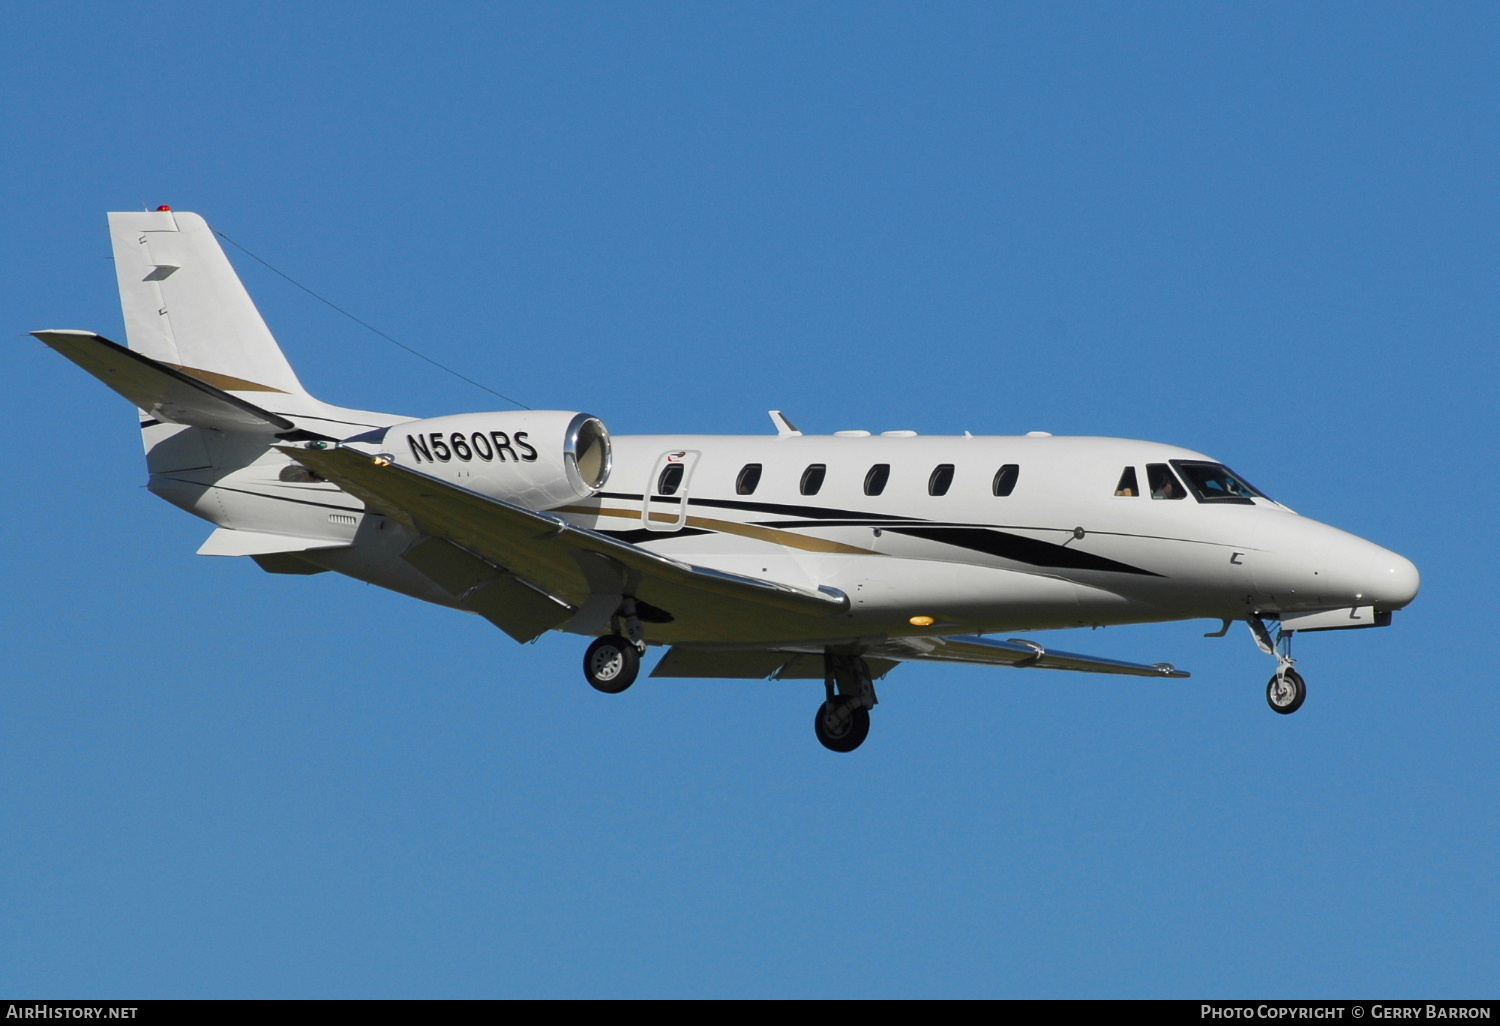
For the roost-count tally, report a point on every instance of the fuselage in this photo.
(924, 534)
(1064, 546)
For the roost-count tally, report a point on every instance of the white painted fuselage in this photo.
(1062, 549)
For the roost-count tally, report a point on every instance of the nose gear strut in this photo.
(1286, 690)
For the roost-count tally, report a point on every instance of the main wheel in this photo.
(1286, 691)
(611, 663)
(841, 725)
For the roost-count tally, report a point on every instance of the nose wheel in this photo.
(1286, 691)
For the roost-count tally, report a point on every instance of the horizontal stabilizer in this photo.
(227, 542)
(172, 394)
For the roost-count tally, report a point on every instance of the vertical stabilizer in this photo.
(185, 306)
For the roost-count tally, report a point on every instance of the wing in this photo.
(795, 663)
(569, 564)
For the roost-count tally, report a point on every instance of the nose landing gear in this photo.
(843, 720)
(1286, 690)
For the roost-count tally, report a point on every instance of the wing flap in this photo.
(734, 664)
(808, 666)
(166, 393)
(1016, 652)
(795, 664)
(500, 597)
(517, 608)
(751, 664)
(543, 548)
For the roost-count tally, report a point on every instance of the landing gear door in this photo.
(665, 505)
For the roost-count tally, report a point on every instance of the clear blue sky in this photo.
(1267, 232)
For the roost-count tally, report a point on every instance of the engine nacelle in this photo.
(539, 459)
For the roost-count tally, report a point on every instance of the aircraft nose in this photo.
(1395, 583)
(1357, 571)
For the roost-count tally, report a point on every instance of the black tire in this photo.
(611, 664)
(842, 726)
(1286, 691)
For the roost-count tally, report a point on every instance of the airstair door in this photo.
(664, 507)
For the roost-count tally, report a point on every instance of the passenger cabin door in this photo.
(664, 507)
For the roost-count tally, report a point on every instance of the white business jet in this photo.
(786, 556)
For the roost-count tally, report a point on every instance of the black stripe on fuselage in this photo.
(815, 513)
(1020, 549)
(1015, 547)
(642, 535)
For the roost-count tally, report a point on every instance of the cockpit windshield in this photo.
(1214, 482)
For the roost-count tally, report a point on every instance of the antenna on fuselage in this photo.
(784, 427)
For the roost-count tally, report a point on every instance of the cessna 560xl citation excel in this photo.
(787, 556)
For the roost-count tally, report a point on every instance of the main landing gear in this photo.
(612, 662)
(842, 723)
(843, 720)
(1286, 690)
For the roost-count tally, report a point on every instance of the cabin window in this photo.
(1164, 484)
(670, 479)
(748, 479)
(812, 478)
(1127, 486)
(876, 479)
(941, 479)
(1005, 479)
(1214, 482)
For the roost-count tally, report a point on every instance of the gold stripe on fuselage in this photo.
(790, 539)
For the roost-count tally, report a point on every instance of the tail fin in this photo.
(185, 307)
